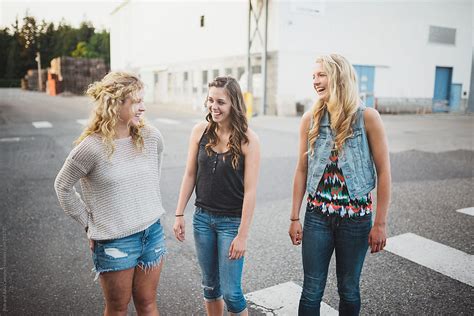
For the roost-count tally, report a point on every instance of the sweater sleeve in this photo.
(77, 165)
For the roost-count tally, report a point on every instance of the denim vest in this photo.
(355, 160)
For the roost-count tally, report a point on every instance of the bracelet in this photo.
(294, 219)
(179, 215)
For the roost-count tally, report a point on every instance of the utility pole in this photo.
(40, 80)
(254, 29)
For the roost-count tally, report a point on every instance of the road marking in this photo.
(167, 121)
(282, 299)
(9, 139)
(42, 124)
(82, 121)
(438, 257)
(468, 211)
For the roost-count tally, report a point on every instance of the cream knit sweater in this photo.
(121, 194)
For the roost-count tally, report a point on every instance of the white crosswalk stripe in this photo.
(438, 257)
(42, 124)
(167, 121)
(468, 211)
(82, 121)
(282, 299)
(9, 139)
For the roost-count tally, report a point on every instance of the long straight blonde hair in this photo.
(109, 95)
(342, 103)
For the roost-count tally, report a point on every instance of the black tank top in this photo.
(219, 187)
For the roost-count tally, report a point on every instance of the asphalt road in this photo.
(46, 261)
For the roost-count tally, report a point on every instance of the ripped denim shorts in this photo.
(144, 249)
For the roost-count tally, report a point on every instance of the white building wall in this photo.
(165, 37)
(392, 36)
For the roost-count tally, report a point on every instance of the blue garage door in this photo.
(442, 89)
(455, 97)
(365, 77)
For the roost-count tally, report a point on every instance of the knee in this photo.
(313, 289)
(117, 305)
(235, 301)
(349, 290)
(145, 305)
(349, 294)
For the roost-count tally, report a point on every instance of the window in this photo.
(442, 35)
(257, 69)
(185, 82)
(228, 71)
(240, 72)
(170, 83)
(215, 73)
(204, 81)
(202, 20)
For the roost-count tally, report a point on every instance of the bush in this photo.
(10, 83)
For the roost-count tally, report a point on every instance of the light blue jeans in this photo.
(221, 276)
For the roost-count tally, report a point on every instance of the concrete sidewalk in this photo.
(429, 132)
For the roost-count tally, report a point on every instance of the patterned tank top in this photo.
(332, 196)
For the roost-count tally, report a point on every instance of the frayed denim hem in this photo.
(147, 267)
(152, 265)
(210, 300)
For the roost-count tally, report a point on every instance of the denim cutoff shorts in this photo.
(144, 249)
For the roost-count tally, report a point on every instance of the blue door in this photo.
(442, 89)
(455, 97)
(365, 78)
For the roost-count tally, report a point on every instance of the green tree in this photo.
(81, 50)
(5, 39)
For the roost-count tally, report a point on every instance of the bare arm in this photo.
(189, 180)
(299, 180)
(251, 151)
(379, 147)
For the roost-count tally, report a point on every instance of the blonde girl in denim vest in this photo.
(343, 154)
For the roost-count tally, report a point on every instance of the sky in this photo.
(73, 11)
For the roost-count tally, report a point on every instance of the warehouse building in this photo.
(411, 56)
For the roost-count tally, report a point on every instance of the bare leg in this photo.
(215, 308)
(117, 288)
(245, 312)
(145, 286)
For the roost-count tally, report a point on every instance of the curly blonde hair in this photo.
(109, 95)
(343, 100)
(238, 123)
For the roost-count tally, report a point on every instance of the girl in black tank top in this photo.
(223, 164)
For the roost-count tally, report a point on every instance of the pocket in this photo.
(197, 210)
(356, 139)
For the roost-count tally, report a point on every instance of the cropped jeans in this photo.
(221, 276)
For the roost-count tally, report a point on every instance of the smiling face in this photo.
(133, 109)
(219, 104)
(321, 82)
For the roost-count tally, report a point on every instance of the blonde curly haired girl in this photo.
(117, 160)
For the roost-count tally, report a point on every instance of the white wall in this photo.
(168, 32)
(391, 35)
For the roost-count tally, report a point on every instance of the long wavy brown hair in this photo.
(109, 95)
(343, 100)
(238, 120)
